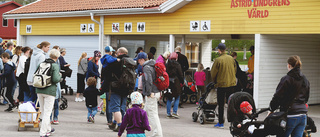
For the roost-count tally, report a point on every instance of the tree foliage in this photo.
(232, 44)
(22, 2)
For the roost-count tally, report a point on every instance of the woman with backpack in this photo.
(92, 70)
(20, 75)
(82, 69)
(291, 96)
(163, 58)
(176, 81)
(38, 56)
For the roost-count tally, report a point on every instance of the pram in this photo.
(64, 103)
(261, 129)
(189, 89)
(206, 110)
(64, 87)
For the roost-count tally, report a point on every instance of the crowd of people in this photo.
(117, 76)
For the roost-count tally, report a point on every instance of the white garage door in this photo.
(74, 45)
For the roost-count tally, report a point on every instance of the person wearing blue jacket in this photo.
(9, 80)
(92, 70)
(108, 58)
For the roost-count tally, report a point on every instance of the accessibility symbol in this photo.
(127, 27)
(91, 28)
(115, 27)
(205, 25)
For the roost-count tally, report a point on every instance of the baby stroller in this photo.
(189, 89)
(206, 109)
(64, 103)
(64, 87)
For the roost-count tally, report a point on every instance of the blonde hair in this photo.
(178, 48)
(54, 54)
(123, 50)
(166, 54)
(83, 55)
(200, 67)
(142, 105)
(17, 50)
(43, 44)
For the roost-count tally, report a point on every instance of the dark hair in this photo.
(251, 48)
(25, 49)
(295, 61)
(56, 47)
(139, 49)
(234, 54)
(153, 50)
(91, 81)
(5, 55)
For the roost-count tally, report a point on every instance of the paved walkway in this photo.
(73, 123)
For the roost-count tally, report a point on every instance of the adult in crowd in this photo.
(17, 53)
(175, 85)
(21, 76)
(151, 93)
(152, 52)
(139, 49)
(251, 61)
(223, 74)
(92, 70)
(9, 48)
(291, 96)
(182, 59)
(240, 75)
(81, 75)
(58, 96)
(46, 96)
(64, 66)
(38, 56)
(117, 98)
(1, 46)
(163, 58)
(200, 78)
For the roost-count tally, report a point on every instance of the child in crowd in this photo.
(91, 93)
(135, 120)
(9, 80)
(200, 78)
(108, 58)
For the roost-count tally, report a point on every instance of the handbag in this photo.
(276, 123)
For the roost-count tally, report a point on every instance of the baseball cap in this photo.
(108, 49)
(245, 107)
(141, 55)
(221, 46)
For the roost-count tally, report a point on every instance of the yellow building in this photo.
(280, 28)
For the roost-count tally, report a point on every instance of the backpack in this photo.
(127, 80)
(162, 77)
(42, 77)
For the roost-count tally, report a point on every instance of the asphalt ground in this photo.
(73, 123)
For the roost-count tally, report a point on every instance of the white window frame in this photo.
(3, 22)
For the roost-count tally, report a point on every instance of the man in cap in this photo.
(151, 92)
(223, 73)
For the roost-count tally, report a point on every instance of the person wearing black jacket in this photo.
(176, 81)
(182, 59)
(116, 100)
(241, 76)
(91, 93)
(291, 96)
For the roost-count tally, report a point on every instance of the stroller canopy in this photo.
(234, 104)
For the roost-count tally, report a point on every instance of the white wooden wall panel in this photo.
(274, 51)
(206, 50)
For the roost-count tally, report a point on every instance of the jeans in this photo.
(296, 126)
(55, 110)
(92, 111)
(223, 93)
(175, 105)
(108, 112)
(46, 104)
(32, 96)
(151, 107)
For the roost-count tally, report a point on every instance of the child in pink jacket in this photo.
(200, 78)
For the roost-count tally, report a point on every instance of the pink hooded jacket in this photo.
(161, 59)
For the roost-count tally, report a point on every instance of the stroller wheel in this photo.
(70, 90)
(193, 99)
(184, 98)
(202, 118)
(194, 116)
(62, 107)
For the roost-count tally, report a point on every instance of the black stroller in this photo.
(64, 87)
(206, 112)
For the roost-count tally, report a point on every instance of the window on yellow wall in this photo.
(193, 53)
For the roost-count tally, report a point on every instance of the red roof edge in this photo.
(154, 7)
(11, 2)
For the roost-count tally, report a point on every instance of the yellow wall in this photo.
(58, 26)
(301, 16)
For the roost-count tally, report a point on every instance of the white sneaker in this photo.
(83, 99)
(77, 99)
(80, 100)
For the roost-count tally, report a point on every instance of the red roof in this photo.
(8, 3)
(44, 6)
